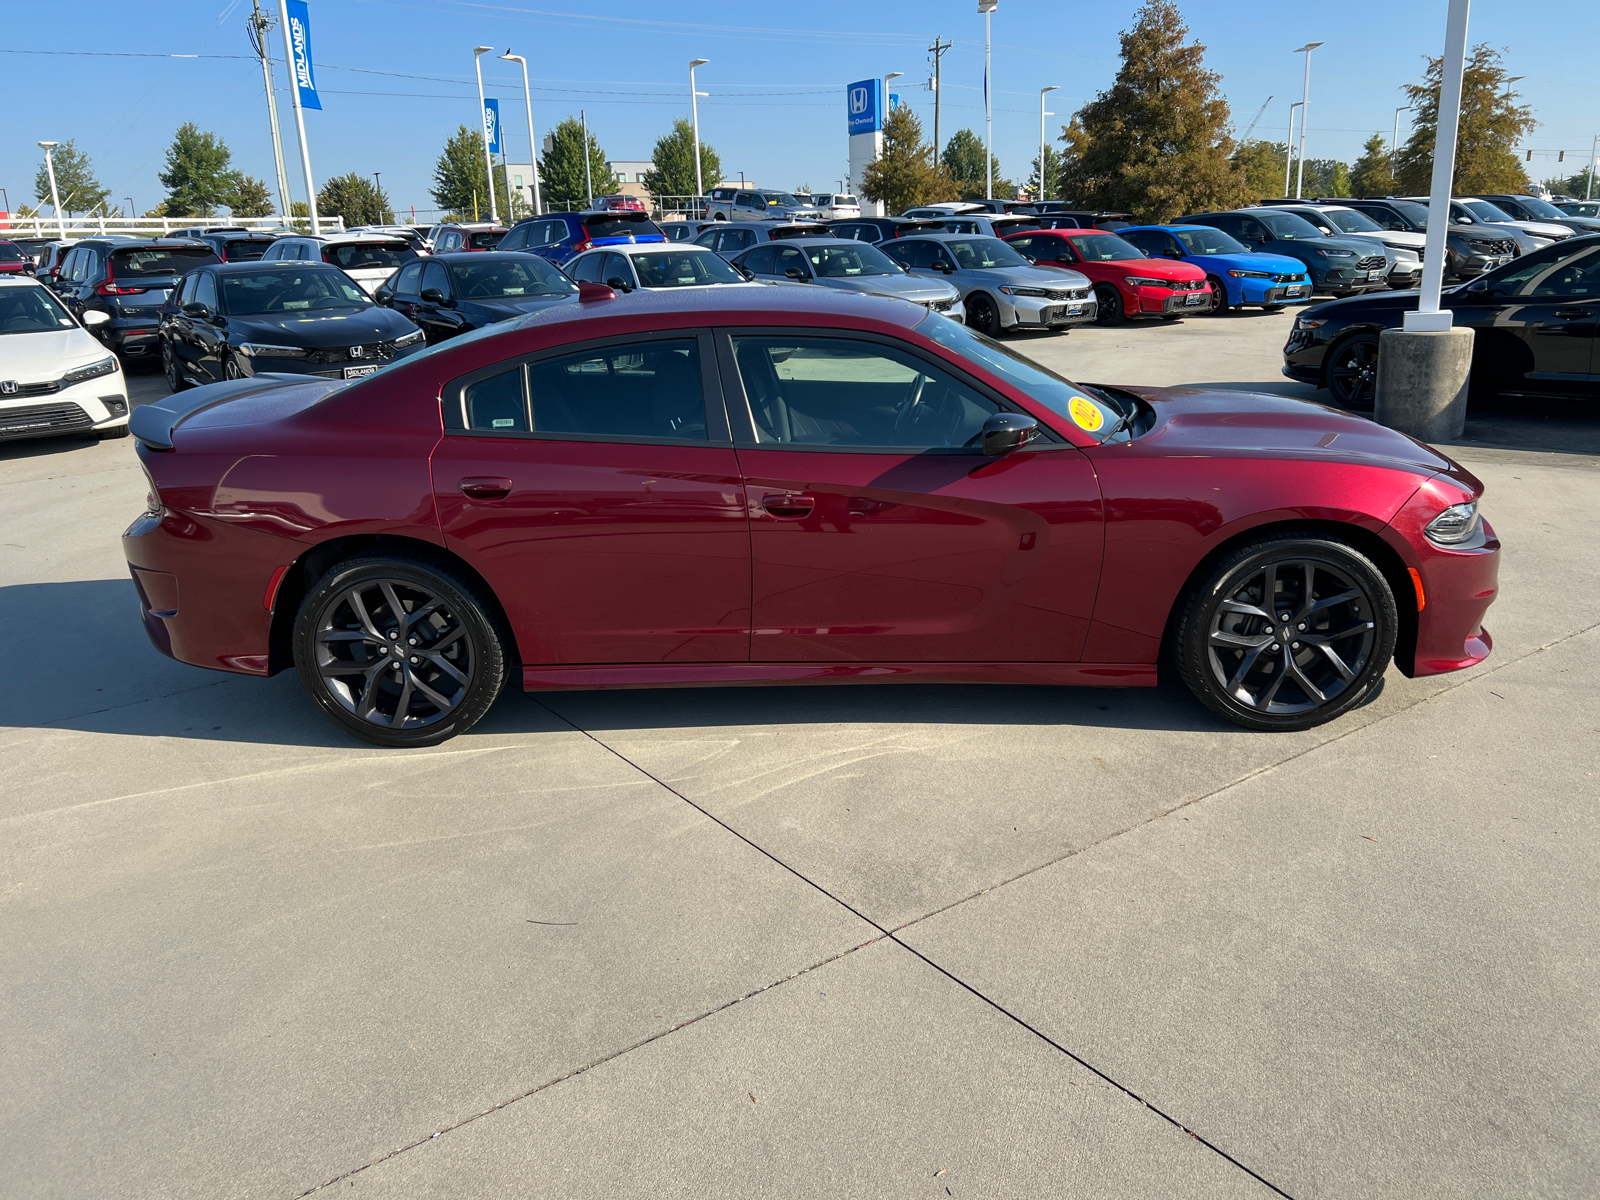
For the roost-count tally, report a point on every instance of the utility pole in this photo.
(1043, 187)
(533, 140)
(588, 183)
(987, 7)
(483, 128)
(257, 25)
(1594, 156)
(694, 120)
(299, 122)
(937, 50)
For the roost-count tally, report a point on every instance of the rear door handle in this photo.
(787, 506)
(483, 487)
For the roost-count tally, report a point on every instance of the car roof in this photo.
(481, 256)
(337, 239)
(19, 281)
(931, 236)
(301, 264)
(1169, 226)
(711, 303)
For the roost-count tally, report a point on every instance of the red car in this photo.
(619, 203)
(1126, 283)
(789, 486)
(13, 261)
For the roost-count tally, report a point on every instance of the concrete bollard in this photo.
(1422, 382)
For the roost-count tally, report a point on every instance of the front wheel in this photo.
(983, 316)
(169, 367)
(398, 651)
(1352, 372)
(1287, 632)
(1108, 305)
(230, 369)
(1219, 297)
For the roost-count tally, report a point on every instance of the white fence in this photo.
(95, 226)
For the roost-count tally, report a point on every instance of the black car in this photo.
(241, 246)
(32, 246)
(1535, 320)
(450, 294)
(880, 229)
(128, 279)
(1083, 218)
(234, 320)
(1343, 266)
(1531, 208)
(1468, 251)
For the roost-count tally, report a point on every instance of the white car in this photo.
(368, 258)
(945, 208)
(55, 377)
(836, 206)
(652, 265)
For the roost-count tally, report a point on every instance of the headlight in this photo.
(260, 350)
(1335, 253)
(1142, 281)
(1251, 274)
(94, 370)
(1310, 322)
(410, 339)
(1454, 525)
(1024, 291)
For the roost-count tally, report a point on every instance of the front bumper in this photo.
(88, 407)
(334, 369)
(1457, 585)
(1039, 312)
(1273, 291)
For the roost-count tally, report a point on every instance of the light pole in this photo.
(258, 23)
(483, 127)
(1594, 152)
(1394, 140)
(1042, 115)
(1305, 107)
(892, 75)
(533, 142)
(132, 212)
(987, 7)
(1510, 81)
(299, 120)
(55, 198)
(1288, 158)
(1429, 316)
(694, 119)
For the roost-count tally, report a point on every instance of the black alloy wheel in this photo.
(1352, 372)
(169, 368)
(398, 651)
(1289, 631)
(1219, 298)
(982, 315)
(1108, 305)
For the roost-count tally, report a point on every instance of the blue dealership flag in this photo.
(491, 124)
(300, 44)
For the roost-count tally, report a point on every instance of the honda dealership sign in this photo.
(863, 102)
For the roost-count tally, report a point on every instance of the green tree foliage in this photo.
(80, 190)
(672, 163)
(1492, 123)
(904, 176)
(199, 175)
(1577, 186)
(1155, 143)
(563, 166)
(1373, 173)
(1052, 175)
(963, 165)
(1261, 164)
(1325, 177)
(460, 182)
(251, 198)
(357, 199)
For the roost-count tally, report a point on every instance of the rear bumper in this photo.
(132, 339)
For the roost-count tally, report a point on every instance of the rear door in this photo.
(597, 491)
(879, 533)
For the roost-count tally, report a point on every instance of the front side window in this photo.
(984, 253)
(1210, 241)
(587, 269)
(818, 391)
(280, 291)
(850, 262)
(506, 279)
(1348, 220)
(744, 200)
(791, 259)
(205, 290)
(1484, 211)
(616, 272)
(410, 281)
(1559, 273)
(1105, 247)
(31, 310)
(436, 278)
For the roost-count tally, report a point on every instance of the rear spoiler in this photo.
(153, 424)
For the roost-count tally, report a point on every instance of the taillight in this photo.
(110, 288)
(580, 247)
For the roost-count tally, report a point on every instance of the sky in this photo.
(396, 77)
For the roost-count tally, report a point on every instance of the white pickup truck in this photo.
(757, 204)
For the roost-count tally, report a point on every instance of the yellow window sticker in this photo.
(1085, 415)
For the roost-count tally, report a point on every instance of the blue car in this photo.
(561, 237)
(1238, 274)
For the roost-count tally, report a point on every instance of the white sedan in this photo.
(55, 377)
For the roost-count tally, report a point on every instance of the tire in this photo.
(1108, 305)
(1246, 662)
(982, 315)
(230, 369)
(1220, 305)
(446, 687)
(1172, 316)
(169, 368)
(1351, 372)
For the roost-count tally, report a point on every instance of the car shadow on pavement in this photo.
(45, 447)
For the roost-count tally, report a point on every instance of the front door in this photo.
(597, 492)
(1550, 308)
(881, 533)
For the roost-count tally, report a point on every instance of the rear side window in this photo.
(497, 404)
(648, 390)
(131, 264)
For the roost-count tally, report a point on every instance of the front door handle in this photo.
(788, 506)
(1572, 314)
(483, 487)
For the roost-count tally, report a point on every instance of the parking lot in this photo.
(846, 941)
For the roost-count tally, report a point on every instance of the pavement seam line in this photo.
(589, 1066)
(889, 935)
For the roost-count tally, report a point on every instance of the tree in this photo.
(1262, 165)
(964, 165)
(672, 163)
(460, 182)
(1155, 143)
(1373, 174)
(1325, 177)
(251, 199)
(355, 198)
(904, 176)
(1491, 125)
(1577, 186)
(563, 166)
(1052, 175)
(80, 191)
(199, 175)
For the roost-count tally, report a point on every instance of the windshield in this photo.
(130, 264)
(501, 279)
(1105, 247)
(1580, 208)
(1348, 220)
(31, 310)
(619, 225)
(246, 249)
(9, 253)
(977, 254)
(1541, 208)
(780, 199)
(1485, 211)
(1083, 408)
(850, 262)
(1209, 241)
(288, 291)
(1288, 226)
(683, 268)
(1416, 213)
(366, 256)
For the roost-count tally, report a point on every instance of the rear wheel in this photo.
(169, 368)
(1108, 305)
(398, 651)
(1219, 297)
(1287, 632)
(1352, 372)
(982, 315)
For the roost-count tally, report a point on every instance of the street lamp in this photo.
(1288, 159)
(1394, 141)
(1305, 107)
(483, 127)
(55, 198)
(987, 7)
(1510, 81)
(533, 142)
(694, 117)
(1042, 115)
(890, 76)
(132, 212)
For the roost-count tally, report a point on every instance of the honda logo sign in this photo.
(864, 105)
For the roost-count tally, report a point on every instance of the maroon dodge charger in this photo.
(726, 486)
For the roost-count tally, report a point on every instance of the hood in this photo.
(1156, 268)
(1358, 246)
(322, 328)
(1543, 229)
(1194, 422)
(47, 356)
(1029, 276)
(903, 287)
(1278, 264)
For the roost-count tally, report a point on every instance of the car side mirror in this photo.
(195, 309)
(433, 296)
(796, 274)
(749, 275)
(1006, 431)
(619, 284)
(382, 296)
(944, 268)
(95, 317)
(1463, 220)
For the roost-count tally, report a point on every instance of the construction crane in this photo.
(1257, 120)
